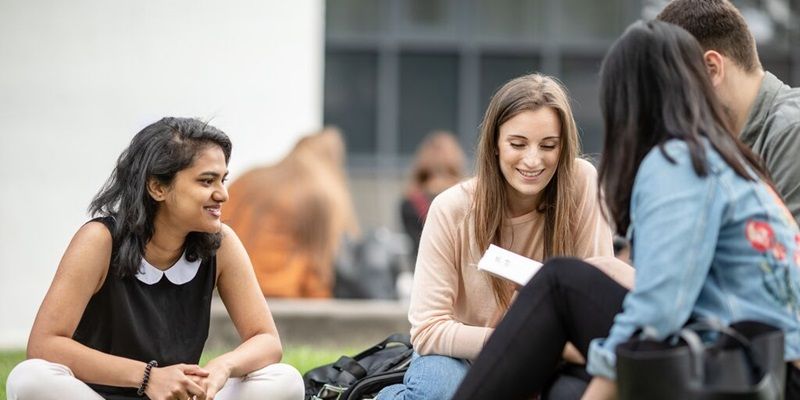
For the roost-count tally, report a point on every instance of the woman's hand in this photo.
(176, 382)
(572, 355)
(217, 377)
(618, 270)
(600, 389)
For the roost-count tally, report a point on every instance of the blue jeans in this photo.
(431, 377)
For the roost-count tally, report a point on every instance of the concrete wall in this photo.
(79, 78)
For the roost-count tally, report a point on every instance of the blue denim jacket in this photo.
(716, 246)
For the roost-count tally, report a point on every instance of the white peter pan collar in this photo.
(183, 271)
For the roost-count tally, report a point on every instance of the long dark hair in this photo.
(654, 87)
(158, 151)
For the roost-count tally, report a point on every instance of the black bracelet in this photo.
(146, 377)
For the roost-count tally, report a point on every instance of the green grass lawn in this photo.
(8, 359)
(301, 357)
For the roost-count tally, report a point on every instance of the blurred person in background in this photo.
(438, 164)
(292, 216)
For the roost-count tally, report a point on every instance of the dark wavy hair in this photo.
(654, 87)
(158, 151)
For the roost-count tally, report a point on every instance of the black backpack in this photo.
(363, 375)
(367, 268)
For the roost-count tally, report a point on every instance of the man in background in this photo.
(764, 110)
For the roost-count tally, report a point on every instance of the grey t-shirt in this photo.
(773, 132)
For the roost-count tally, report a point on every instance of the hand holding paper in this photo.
(508, 265)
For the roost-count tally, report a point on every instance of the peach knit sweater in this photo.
(453, 309)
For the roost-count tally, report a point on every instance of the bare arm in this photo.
(80, 274)
(248, 310)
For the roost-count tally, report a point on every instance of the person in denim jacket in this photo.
(711, 238)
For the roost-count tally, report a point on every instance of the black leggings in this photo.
(568, 300)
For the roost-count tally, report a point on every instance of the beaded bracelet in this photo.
(146, 377)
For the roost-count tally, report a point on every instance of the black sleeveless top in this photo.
(162, 321)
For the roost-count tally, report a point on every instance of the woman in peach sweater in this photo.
(532, 195)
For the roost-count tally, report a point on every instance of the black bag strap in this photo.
(354, 368)
(372, 385)
(713, 325)
(351, 366)
(399, 338)
(689, 334)
(696, 349)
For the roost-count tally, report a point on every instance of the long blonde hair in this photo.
(558, 204)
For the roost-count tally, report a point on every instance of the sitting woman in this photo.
(438, 164)
(293, 215)
(711, 239)
(128, 311)
(533, 196)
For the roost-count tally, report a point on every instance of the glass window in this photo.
(580, 75)
(496, 70)
(510, 20)
(350, 97)
(428, 97)
(359, 18)
(583, 20)
(427, 19)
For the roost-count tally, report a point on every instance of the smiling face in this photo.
(193, 202)
(529, 146)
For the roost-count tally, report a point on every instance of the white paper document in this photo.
(508, 265)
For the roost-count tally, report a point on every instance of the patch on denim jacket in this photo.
(777, 275)
(779, 252)
(760, 235)
(780, 286)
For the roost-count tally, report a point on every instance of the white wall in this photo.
(79, 78)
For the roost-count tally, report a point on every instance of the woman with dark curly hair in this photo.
(128, 311)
